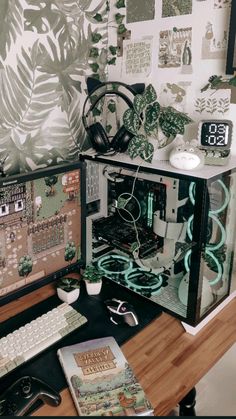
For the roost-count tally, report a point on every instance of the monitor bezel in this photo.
(231, 48)
(73, 267)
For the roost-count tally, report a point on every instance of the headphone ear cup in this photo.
(98, 138)
(121, 140)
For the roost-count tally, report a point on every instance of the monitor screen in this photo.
(41, 221)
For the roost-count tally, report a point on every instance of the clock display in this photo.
(215, 134)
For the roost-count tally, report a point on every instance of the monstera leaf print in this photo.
(67, 65)
(64, 17)
(27, 97)
(67, 134)
(10, 24)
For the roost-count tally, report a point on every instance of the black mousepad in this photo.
(46, 365)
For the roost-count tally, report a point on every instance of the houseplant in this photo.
(93, 279)
(153, 126)
(68, 289)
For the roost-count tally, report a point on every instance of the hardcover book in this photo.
(101, 380)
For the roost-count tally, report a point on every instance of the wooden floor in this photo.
(167, 361)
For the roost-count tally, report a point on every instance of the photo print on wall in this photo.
(214, 43)
(176, 7)
(175, 49)
(138, 11)
(174, 94)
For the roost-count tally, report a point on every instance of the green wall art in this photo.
(47, 48)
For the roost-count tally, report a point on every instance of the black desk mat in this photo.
(46, 365)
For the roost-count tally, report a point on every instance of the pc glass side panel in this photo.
(41, 227)
(165, 236)
(217, 254)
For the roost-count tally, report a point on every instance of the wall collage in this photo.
(47, 48)
(177, 46)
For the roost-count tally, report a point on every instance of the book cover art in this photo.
(101, 381)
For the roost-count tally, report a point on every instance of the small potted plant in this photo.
(93, 279)
(154, 127)
(68, 289)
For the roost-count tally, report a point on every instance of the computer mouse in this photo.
(121, 312)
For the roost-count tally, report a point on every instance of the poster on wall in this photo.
(138, 11)
(212, 103)
(175, 94)
(214, 41)
(176, 8)
(137, 58)
(175, 49)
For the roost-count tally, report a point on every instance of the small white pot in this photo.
(68, 297)
(162, 153)
(93, 288)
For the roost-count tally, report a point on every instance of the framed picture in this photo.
(231, 51)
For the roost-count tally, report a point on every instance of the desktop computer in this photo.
(164, 235)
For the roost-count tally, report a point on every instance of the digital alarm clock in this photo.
(215, 136)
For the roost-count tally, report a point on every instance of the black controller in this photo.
(21, 395)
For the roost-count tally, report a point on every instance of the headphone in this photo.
(96, 133)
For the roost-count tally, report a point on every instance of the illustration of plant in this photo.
(200, 105)
(25, 265)
(211, 106)
(223, 105)
(47, 77)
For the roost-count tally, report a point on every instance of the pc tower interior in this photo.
(167, 237)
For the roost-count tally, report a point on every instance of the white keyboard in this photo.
(34, 337)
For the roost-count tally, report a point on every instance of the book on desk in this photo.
(101, 380)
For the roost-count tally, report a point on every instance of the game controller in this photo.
(22, 394)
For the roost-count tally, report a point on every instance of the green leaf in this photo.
(121, 29)
(95, 76)
(112, 107)
(172, 122)
(151, 114)
(120, 3)
(131, 121)
(150, 94)
(96, 112)
(147, 152)
(112, 50)
(98, 17)
(232, 81)
(94, 53)
(108, 128)
(150, 128)
(96, 37)
(119, 18)
(139, 103)
(94, 67)
(136, 145)
(112, 61)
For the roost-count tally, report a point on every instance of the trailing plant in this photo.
(68, 284)
(147, 119)
(92, 274)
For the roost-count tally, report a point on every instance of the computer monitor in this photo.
(41, 227)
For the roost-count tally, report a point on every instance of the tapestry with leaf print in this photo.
(47, 48)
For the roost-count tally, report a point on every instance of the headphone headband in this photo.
(131, 89)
